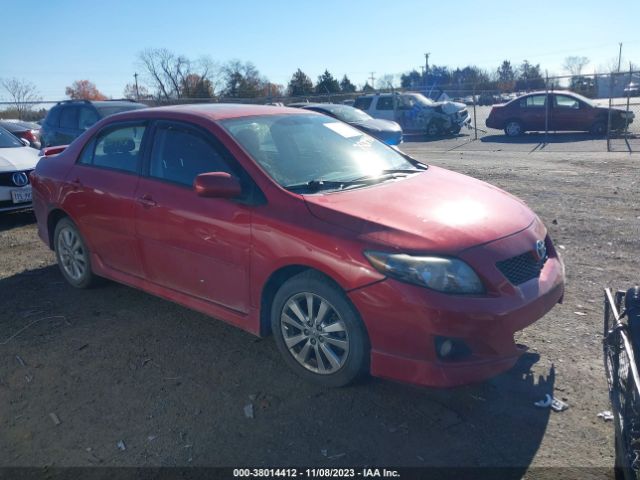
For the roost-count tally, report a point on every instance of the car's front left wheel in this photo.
(318, 332)
(72, 255)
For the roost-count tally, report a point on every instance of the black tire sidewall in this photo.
(357, 362)
(506, 127)
(88, 277)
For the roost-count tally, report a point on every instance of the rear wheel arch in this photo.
(53, 218)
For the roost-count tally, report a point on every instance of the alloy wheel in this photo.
(72, 253)
(314, 333)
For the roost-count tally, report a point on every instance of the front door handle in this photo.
(146, 201)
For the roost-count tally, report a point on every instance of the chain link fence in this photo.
(621, 369)
(606, 115)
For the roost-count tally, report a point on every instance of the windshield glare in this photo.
(296, 149)
(346, 113)
(7, 140)
(419, 98)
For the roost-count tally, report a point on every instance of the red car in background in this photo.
(567, 111)
(356, 257)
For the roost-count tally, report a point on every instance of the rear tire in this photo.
(318, 332)
(72, 255)
(513, 128)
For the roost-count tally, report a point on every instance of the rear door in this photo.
(104, 180)
(68, 130)
(191, 244)
(383, 108)
(533, 110)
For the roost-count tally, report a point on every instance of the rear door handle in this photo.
(146, 201)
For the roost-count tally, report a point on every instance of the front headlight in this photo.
(448, 275)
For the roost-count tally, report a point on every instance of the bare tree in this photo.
(386, 81)
(170, 75)
(23, 94)
(574, 65)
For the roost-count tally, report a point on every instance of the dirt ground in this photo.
(113, 364)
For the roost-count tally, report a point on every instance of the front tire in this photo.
(72, 255)
(433, 129)
(598, 129)
(318, 332)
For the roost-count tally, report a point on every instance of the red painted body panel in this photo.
(215, 255)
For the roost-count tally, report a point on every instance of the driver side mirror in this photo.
(25, 141)
(217, 185)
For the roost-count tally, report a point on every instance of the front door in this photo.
(569, 113)
(103, 182)
(195, 245)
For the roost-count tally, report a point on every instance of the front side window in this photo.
(295, 149)
(180, 153)
(533, 101)
(117, 148)
(385, 103)
(564, 101)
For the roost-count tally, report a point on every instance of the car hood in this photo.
(436, 211)
(449, 107)
(377, 124)
(19, 158)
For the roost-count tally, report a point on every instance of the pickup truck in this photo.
(416, 113)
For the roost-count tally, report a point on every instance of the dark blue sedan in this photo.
(384, 130)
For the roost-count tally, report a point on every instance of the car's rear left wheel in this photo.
(72, 255)
(318, 331)
(513, 128)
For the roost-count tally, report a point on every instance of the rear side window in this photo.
(69, 118)
(117, 148)
(533, 101)
(86, 117)
(53, 118)
(181, 153)
(363, 103)
(385, 103)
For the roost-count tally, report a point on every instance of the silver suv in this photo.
(416, 113)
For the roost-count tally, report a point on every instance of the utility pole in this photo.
(426, 63)
(372, 78)
(619, 56)
(135, 75)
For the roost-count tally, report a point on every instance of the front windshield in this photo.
(346, 113)
(7, 140)
(296, 149)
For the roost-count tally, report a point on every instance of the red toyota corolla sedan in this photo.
(356, 257)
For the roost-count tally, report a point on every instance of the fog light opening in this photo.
(451, 348)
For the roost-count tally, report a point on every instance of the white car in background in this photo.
(17, 160)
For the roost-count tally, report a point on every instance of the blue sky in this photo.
(54, 43)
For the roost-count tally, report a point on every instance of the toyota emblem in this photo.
(541, 250)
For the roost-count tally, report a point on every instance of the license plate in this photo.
(21, 196)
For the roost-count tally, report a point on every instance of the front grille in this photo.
(6, 181)
(521, 268)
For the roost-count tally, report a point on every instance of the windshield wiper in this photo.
(389, 173)
(316, 185)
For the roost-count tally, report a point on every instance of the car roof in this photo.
(217, 111)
